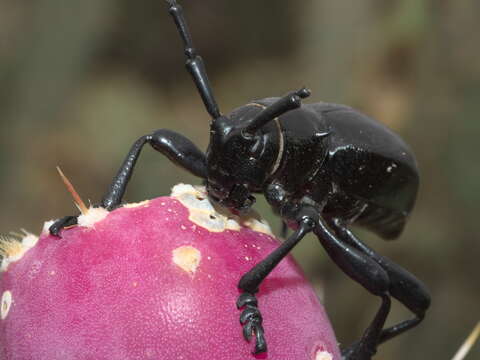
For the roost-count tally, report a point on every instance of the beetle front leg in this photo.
(251, 318)
(62, 223)
(177, 148)
(180, 150)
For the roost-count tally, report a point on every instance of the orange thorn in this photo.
(76, 198)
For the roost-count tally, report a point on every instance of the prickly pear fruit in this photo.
(153, 280)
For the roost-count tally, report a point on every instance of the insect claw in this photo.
(248, 331)
(261, 343)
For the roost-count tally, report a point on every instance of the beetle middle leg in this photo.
(251, 319)
(354, 263)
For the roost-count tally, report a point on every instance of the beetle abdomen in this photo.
(385, 223)
(371, 165)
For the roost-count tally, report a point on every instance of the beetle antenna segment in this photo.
(289, 102)
(194, 63)
(76, 198)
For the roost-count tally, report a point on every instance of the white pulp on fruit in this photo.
(215, 219)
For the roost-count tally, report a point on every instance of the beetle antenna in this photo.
(194, 63)
(289, 102)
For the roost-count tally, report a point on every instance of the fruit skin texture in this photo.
(148, 283)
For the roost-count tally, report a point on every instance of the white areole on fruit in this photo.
(13, 247)
(187, 258)
(215, 219)
(6, 304)
(323, 355)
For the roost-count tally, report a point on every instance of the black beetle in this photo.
(322, 167)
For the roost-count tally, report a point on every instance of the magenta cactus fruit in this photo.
(153, 280)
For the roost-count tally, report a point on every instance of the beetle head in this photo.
(244, 150)
(239, 163)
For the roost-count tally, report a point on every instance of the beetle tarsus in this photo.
(260, 343)
(251, 319)
(246, 299)
(62, 223)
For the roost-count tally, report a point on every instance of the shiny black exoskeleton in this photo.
(322, 167)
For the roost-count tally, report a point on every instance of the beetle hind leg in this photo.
(402, 285)
(366, 347)
(367, 273)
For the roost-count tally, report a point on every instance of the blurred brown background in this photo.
(81, 80)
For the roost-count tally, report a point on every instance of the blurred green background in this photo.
(82, 80)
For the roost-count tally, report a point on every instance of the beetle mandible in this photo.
(322, 167)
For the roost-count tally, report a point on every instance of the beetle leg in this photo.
(251, 318)
(174, 146)
(62, 223)
(404, 286)
(367, 273)
(283, 230)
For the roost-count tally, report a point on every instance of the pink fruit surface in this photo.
(155, 280)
